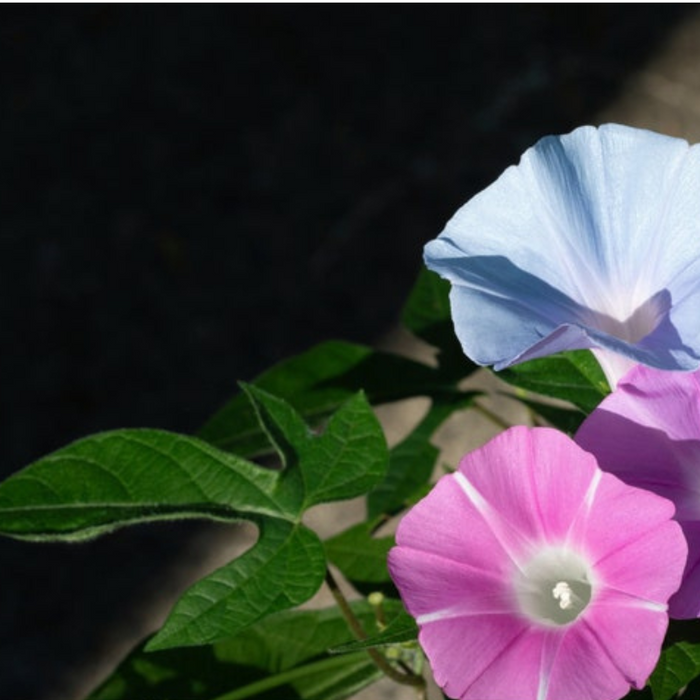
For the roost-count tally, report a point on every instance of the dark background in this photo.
(190, 194)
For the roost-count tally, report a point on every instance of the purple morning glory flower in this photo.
(647, 433)
(592, 241)
(534, 575)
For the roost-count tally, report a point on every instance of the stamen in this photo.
(554, 587)
(563, 593)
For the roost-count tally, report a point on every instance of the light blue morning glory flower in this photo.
(592, 241)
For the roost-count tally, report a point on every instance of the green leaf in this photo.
(347, 459)
(285, 568)
(412, 461)
(322, 680)
(427, 314)
(123, 477)
(360, 556)
(318, 382)
(427, 308)
(573, 376)
(289, 638)
(678, 665)
(126, 476)
(401, 629)
(283, 426)
(284, 655)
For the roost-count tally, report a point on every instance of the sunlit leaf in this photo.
(347, 459)
(573, 376)
(127, 476)
(285, 568)
(318, 382)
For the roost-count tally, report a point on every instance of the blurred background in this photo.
(191, 193)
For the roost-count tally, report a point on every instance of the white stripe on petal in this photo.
(550, 649)
(592, 489)
(465, 610)
(472, 494)
(503, 532)
(629, 601)
(445, 614)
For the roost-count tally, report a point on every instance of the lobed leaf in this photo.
(318, 382)
(347, 459)
(284, 568)
(126, 476)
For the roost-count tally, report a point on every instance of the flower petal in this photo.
(648, 433)
(436, 589)
(631, 635)
(521, 306)
(663, 401)
(461, 651)
(572, 249)
(536, 479)
(631, 541)
(685, 604)
(515, 673)
(449, 524)
(584, 670)
(560, 543)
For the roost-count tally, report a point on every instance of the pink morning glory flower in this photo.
(592, 241)
(534, 575)
(647, 433)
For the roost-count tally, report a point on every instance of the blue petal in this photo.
(592, 236)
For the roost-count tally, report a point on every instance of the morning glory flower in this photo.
(647, 433)
(534, 575)
(592, 241)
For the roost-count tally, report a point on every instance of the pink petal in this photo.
(629, 538)
(461, 651)
(536, 479)
(648, 431)
(583, 669)
(448, 523)
(516, 673)
(650, 566)
(685, 604)
(666, 401)
(437, 588)
(630, 632)
(526, 509)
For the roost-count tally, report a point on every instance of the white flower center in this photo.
(631, 325)
(555, 586)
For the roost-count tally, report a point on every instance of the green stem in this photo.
(254, 689)
(379, 661)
